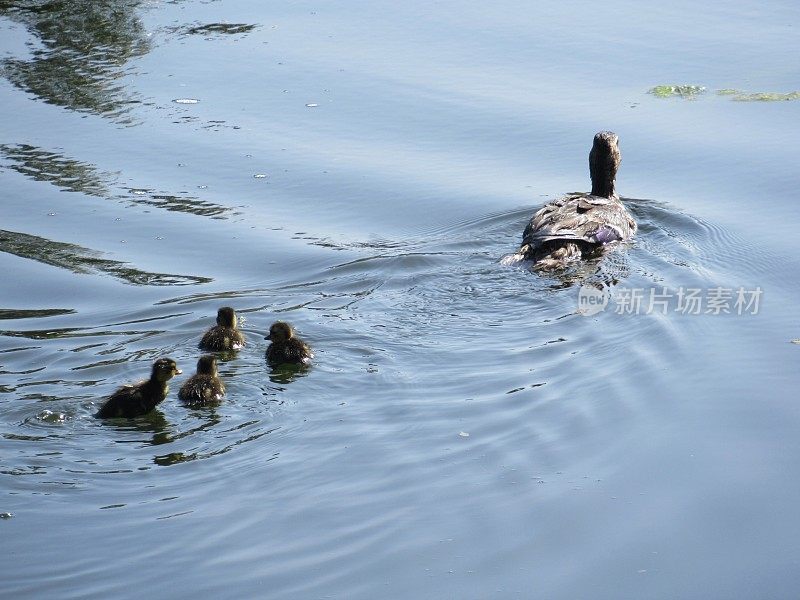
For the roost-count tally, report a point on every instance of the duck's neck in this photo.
(157, 385)
(605, 187)
(604, 162)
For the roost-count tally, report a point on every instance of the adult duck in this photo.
(580, 226)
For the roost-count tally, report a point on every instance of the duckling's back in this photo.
(292, 350)
(220, 338)
(132, 401)
(202, 389)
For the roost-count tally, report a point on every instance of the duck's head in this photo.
(207, 365)
(226, 317)
(280, 331)
(604, 162)
(165, 369)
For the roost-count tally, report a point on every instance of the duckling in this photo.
(285, 348)
(205, 386)
(224, 335)
(581, 225)
(139, 399)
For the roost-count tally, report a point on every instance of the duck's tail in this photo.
(550, 256)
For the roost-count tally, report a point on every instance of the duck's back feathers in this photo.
(202, 389)
(220, 338)
(574, 226)
(292, 350)
(580, 218)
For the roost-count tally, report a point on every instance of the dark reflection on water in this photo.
(15, 313)
(210, 30)
(81, 52)
(53, 167)
(73, 175)
(287, 373)
(153, 422)
(171, 202)
(83, 260)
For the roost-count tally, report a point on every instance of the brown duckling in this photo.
(580, 225)
(134, 400)
(224, 335)
(285, 348)
(205, 386)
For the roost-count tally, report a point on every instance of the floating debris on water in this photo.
(312, 104)
(681, 91)
(797, 341)
(463, 434)
(48, 416)
(6, 515)
(186, 101)
(260, 175)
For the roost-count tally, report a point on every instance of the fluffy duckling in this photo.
(285, 348)
(224, 335)
(205, 386)
(581, 225)
(135, 400)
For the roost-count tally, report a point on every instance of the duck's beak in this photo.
(178, 371)
(269, 337)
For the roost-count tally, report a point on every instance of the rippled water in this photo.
(360, 171)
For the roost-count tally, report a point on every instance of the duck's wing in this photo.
(582, 218)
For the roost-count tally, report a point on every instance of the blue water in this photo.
(360, 169)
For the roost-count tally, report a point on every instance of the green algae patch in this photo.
(766, 97)
(692, 91)
(679, 91)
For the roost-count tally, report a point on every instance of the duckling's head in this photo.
(226, 317)
(280, 331)
(165, 369)
(207, 365)
(604, 162)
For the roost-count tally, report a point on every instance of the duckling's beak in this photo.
(269, 337)
(178, 371)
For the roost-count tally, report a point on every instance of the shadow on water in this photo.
(82, 50)
(83, 260)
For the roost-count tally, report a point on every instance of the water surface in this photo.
(360, 170)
